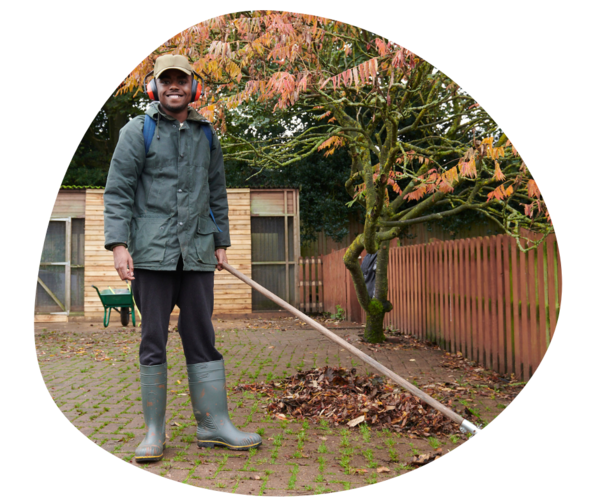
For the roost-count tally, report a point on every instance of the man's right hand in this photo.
(123, 262)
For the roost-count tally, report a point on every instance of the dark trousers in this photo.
(156, 293)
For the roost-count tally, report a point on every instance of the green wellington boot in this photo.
(209, 401)
(153, 379)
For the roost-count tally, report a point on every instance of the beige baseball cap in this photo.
(171, 61)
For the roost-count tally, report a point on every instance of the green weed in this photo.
(340, 313)
(321, 490)
(321, 461)
(372, 478)
(364, 431)
(345, 464)
(414, 450)
(180, 456)
(294, 473)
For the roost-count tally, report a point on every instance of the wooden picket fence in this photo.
(338, 291)
(310, 284)
(482, 297)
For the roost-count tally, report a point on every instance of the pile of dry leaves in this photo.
(340, 396)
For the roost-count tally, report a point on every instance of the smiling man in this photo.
(166, 222)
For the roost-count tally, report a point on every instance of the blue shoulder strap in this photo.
(149, 128)
(208, 132)
(148, 132)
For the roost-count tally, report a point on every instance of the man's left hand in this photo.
(221, 255)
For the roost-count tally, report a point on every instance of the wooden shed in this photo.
(265, 245)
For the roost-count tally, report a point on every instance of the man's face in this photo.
(174, 90)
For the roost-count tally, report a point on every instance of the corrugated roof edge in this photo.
(79, 187)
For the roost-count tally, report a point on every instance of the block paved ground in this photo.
(92, 374)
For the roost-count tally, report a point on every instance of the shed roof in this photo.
(291, 186)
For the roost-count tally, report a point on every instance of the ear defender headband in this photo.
(151, 88)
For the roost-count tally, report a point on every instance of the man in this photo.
(166, 222)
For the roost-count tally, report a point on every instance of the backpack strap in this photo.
(208, 132)
(148, 132)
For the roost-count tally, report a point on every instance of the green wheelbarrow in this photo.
(119, 299)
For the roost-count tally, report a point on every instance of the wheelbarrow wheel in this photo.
(124, 316)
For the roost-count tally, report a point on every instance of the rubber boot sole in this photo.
(216, 443)
(146, 459)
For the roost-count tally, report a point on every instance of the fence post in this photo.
(320, 285)
(302, 272)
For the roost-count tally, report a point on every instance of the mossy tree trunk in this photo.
(376, 307)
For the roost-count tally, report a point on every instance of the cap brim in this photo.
(172, 68)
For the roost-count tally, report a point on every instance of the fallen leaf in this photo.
(178, 382)
(356, 421)
(383, 469)
(175, 424)
(323, 438)
(424, 459)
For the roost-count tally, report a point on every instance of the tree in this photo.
(89, 166)
(419, 148)
(323, 199)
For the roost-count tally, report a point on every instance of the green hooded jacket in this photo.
(159, 204)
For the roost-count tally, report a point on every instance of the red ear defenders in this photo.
(152, 90)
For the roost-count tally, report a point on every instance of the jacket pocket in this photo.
(149, 239)
(205, 242)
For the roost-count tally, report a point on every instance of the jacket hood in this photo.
(153, 111)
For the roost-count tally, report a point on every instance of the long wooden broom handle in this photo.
(357, 352)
